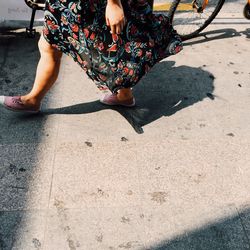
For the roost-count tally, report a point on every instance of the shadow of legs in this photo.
(164, 91)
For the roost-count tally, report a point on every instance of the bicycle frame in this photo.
(34, 5)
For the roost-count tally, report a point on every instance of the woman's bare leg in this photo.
(46, 73)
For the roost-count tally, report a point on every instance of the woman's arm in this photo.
(115, 16)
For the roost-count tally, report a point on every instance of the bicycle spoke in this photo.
(187, 21)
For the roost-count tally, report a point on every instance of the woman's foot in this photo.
(20, 104)
(113, 100)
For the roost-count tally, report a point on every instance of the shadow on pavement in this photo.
(229, 233)
(19, 56)
(219, 34)
(19, 139)
(165, 90)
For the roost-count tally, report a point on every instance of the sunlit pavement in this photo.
(172, 173)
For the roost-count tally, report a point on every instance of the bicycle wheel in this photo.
(246, 11)
(192, 16)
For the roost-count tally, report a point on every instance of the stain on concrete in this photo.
(197, 178)
(71, 244)
(7, 81)
(70, 238)
(37, 243)
(99, 237)
(58, 204)
(88, 143)
(125, 219)
(99, 193)
(13, 168)
(158, 197)
(236, 72)
(124, 139)
(128, 245)
(157, 168)
(183, 137)
(230, 134)
(130, 192)
(142, 216)
(240, 85)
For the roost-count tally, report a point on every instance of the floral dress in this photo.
(78, 28)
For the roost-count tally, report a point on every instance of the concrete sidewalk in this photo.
(172, 173)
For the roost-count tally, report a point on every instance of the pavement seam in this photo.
(52, 178)
(50, 189)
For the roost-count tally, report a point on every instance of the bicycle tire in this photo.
(246, 11)
(201, 28)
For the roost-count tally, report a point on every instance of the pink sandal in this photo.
(14, 103)
(111, 100)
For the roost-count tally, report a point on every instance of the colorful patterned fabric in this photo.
(78, 28)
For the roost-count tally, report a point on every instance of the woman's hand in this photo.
(115, 18)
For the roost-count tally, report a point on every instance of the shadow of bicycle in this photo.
(218, 34)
